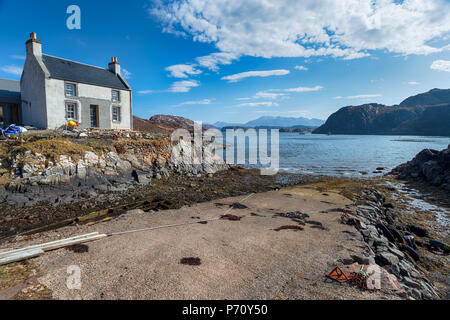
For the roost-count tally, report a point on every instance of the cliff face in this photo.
(415, 116)
(433, 121)
(368, 119)
(432, 97)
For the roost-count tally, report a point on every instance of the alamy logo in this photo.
(74, 278)
(74, 20)
(373, 277)
(202, 147)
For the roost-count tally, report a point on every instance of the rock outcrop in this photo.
(429, 166)
(176, 122)
(130, 162)
(145, 125)
(426, 114)
(164, 124)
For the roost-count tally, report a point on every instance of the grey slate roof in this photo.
(9, 91)
(77, 72)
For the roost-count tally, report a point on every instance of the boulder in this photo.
(387, 258)
(411, 283)
(417, 230)
(396, 252)
(141, 178)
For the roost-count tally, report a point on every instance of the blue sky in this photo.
(238, 60)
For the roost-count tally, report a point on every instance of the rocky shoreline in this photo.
(75, 204)
(384, 233)
(430, 167)
(45, 194)
(381, 221)
(54, 178)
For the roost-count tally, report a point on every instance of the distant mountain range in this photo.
(424, 114)
(281, 122)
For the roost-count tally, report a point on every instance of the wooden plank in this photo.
(20, 256)
(28, 253)
(42, 246)
(74, 241)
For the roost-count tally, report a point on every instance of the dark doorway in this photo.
(13, 114)
(2, 120)
(94, 116)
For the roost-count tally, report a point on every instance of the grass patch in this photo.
(16, 273)
(140, 145)
(4, 171)
(348, 188)
(3, 150)
(54, 148)
(4, 177)
(98, 146)
(38, 292)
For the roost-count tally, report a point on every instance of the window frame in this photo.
(118, 95)
(74, 89)
(119, 114)
(75, 111)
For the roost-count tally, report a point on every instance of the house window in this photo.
(71, 111)
(115, 96)
(70, 90)
(116, 114)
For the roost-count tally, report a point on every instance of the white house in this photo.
(55, 90)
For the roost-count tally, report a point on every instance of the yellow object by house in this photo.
(72, 124)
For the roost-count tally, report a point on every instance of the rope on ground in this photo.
(176, 225)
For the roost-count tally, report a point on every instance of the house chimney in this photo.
(34, 46)
(114, 66)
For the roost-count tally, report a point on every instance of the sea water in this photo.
(349, 155)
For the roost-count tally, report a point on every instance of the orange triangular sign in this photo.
(338, 275)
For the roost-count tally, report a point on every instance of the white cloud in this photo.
(303, 89)
(18, 57)
(184, 86)
(126, 74)
(178, 86)
(264, 95)
(347, 29)
(12, 69)
(182, 70)
(239, 76)
(259, 104)
(199, 102)
(365, 96)
(413, 83)
(301, 68)
(338, 97)
(441, 65)
(268, 95)
(145, 91)
(213, 60)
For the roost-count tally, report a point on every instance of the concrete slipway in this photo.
(243, 259)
